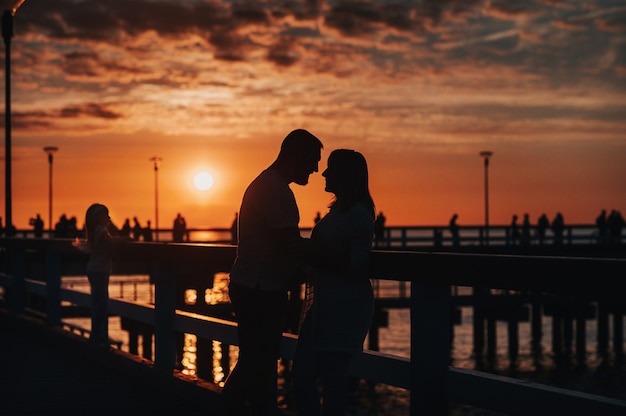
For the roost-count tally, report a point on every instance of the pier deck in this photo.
(44, 372)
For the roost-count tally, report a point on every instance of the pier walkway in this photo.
(47, 371)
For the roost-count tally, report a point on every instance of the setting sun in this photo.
(203, 181)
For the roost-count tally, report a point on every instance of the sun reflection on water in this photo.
(212, 296)
(190, 355)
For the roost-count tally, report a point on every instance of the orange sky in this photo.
(420, 88)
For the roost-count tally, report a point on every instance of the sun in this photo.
(203, 181)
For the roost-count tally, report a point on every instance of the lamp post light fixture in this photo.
(156, 161)
(486, 155)
(50, 150)
(8, 10)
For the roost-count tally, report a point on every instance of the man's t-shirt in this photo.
(268, 205)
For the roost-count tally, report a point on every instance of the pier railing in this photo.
(419, 236)
(33, 267)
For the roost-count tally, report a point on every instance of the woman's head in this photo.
(347, 178)
(97, 214)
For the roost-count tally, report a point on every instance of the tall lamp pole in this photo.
(50, 151)
(8, 10)
(156, 161)
(486, 155)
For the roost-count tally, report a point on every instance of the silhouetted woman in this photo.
(340, 300)
(99, 267)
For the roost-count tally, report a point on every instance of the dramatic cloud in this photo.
(441, 76)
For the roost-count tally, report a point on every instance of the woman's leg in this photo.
(334, 368)
(305, 374)
(99, 283)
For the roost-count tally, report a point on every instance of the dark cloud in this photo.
(38, 120)
(354, 18)
(283, 53)
(89, 110)
(382, 35)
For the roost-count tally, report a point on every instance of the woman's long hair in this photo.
(352, 180)
(92, 219)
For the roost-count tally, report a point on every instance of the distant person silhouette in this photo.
(379, 229)
(179, 228)
(542, 225)
(317, 218)
(137, 231)
(454, 231)
(340, 299)
(526, 234)
(558, 227)
(234, 229)
(147, 232)
(514, 231)
(270, 257)
(125, 231)
(37, 224)
(616, 224)
(61, 228)
(99, 269)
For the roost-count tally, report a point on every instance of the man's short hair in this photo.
(299, 142)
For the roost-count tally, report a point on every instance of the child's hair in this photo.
(92, 218)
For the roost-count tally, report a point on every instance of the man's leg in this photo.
(260, 317)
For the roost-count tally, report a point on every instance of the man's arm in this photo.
(292, 242)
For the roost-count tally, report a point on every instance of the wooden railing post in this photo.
(53, 288)
(430, 348)
(164, 313)
(17, 270)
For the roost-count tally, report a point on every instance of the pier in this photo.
(32, 269)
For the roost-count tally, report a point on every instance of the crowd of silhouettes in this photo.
(67, 228)
(609, 226)
(609, 230)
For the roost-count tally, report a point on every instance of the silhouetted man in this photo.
(268, 262)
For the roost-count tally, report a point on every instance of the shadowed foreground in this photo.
(45, 371)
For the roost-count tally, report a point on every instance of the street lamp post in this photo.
(156, 161)
(50, 151)
(486, 155)
(8, 10)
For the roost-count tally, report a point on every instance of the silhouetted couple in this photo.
(272, 257)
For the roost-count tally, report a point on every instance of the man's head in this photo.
(299, 156)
